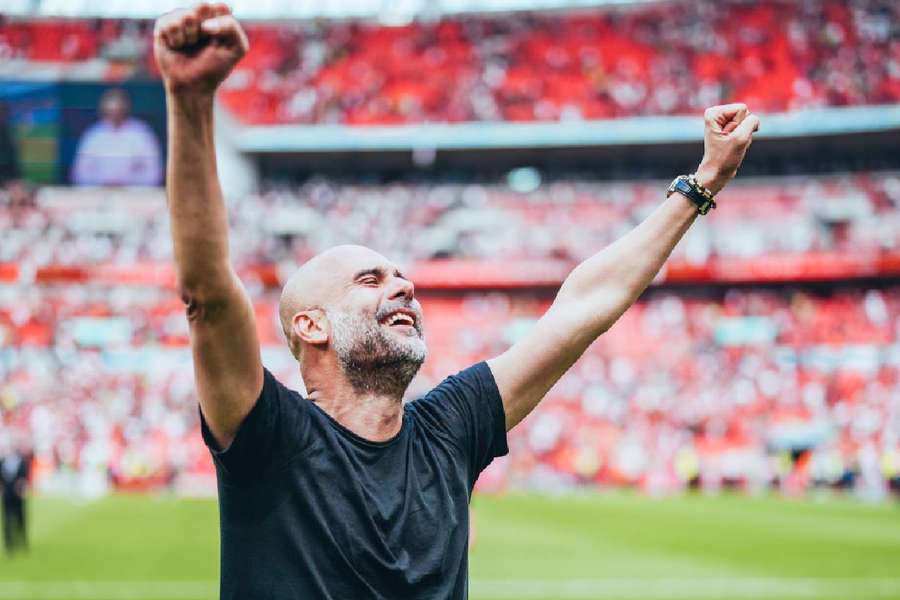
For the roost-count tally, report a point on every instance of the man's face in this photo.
(377, 330)
(114, 108)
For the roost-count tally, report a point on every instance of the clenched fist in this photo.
(728, 132)
(196, 48)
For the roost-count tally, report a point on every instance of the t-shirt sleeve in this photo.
(274, 432)
(466, 409)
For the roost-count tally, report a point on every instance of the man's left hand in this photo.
(728, 133)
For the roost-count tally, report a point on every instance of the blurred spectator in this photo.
(15, 467)
(118, 149)
(9, 153)
(10, 171)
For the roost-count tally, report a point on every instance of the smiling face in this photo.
(376, 331)
(355, 303)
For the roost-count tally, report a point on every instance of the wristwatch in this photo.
(695, 191)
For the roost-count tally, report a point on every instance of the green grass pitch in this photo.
(587, 545)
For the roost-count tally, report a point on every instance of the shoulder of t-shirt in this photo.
(269, 431)
(271, 383)
(477, 378)
(475, 383)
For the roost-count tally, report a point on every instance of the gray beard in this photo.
(374, 360)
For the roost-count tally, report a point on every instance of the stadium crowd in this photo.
(755, 387)
(665, 58)
(749, 388)
(849, 215)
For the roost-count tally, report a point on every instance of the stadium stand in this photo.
(852, 216)
(729, 388)
(750, 387)
(662, 59)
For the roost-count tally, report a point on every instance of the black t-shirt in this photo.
(308, 509)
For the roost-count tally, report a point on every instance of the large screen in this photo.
(85, 134)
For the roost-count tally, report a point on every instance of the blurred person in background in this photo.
(15, 463)
(10, 169)
(119, 149)
(348, 492)
(9, 154)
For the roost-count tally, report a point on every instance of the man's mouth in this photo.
(400, 319)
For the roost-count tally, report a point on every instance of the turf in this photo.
(613, 545)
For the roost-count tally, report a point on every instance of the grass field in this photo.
(527, 547)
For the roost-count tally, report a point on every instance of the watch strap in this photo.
(688, 186)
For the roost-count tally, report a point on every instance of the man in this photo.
(14, 471)
(9, 154)
(349, 493)
(11, 181)
(118, 149)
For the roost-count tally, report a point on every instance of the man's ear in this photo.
(311, 326)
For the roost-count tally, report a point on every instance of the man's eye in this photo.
(369, 281)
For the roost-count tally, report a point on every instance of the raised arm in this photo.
(599, 290)
(195, 50)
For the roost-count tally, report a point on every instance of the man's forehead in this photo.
(322, 279)
(344, 265)
(355, 260)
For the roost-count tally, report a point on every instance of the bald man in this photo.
(348, 492)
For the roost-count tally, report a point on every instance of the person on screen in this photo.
(118, 149)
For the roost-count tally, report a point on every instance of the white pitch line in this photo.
(684, 587)
(488, 589)
(108, 590)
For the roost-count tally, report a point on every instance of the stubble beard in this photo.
(374, 360)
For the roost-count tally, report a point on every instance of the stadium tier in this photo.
(658, 59)
(472, 234)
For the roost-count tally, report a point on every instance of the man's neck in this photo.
(371, 416)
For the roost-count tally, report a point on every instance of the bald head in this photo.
(350, 311)
(322, 280)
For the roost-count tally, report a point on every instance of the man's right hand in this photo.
(196, 48)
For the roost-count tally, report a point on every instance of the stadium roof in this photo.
(388, 11)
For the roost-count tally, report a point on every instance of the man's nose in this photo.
(402, 288)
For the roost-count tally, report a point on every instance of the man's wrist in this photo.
(709, 177)
(189, 101)
(189, 96)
